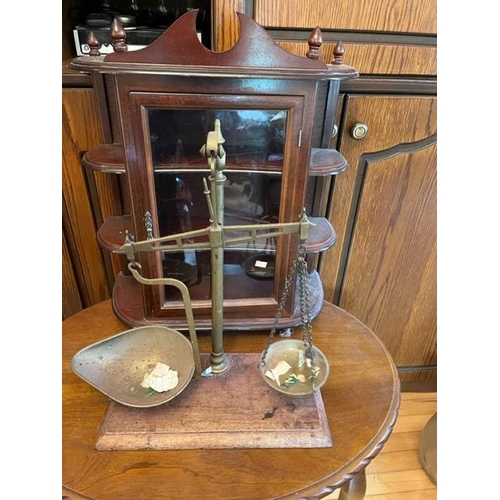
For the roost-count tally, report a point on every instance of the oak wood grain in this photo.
(392, 120)
(377, 59)
(226, 30)
(71, 301)
(381, 15)
(79, 133)
(384, 210)
(390, 277)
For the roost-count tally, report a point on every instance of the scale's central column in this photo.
(216, 161)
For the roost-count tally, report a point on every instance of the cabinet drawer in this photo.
(401, 16)
(377, 59)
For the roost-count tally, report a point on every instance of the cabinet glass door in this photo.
(265, 170)
(254, 147)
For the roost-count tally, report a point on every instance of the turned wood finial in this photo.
(118, 35)
(315, 40)
(94, 44)
(338, 53)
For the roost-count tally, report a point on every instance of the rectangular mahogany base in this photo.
(235, 409)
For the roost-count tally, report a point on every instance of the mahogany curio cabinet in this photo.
(275, 111)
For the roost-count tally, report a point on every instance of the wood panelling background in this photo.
(83, 262)
(383, 267)
(389, 281)
(392, 121)
(403, 16)
(226, 27)
(71, 299)
(377, 59)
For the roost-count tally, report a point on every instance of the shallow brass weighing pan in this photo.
(291, 350)
(116, 366)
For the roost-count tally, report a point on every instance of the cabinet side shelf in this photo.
(111, 235)
(325, 162)
(107, 158)
(110, 158)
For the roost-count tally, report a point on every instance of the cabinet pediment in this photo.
(179, 47)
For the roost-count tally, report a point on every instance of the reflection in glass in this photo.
(254, 138)
(254, 146)
(250, 198)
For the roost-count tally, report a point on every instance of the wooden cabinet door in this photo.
(367, 15)
(383, 266)
(85, 280)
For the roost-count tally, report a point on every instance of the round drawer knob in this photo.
(359, 131)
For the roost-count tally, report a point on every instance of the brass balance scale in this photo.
(118, 366)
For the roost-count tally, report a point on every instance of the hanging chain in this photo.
(281, 306)
(299, 266)
(305, 313)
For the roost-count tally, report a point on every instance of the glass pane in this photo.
(254, 146)
(250, 198)
(254, 139)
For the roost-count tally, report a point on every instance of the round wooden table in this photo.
(361, 399)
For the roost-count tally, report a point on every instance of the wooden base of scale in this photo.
(235, 409)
